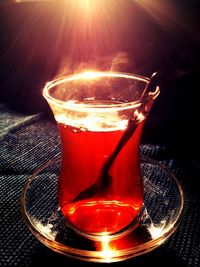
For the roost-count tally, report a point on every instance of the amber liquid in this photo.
(84, 153)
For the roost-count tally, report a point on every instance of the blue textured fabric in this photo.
(26, 143)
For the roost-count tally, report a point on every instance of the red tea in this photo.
(100, 116)
(84, 153)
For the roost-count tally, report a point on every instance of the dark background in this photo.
(37, 38)
(43, 40)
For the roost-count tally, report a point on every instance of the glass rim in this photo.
(92, 75)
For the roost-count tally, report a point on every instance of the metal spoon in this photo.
(104, 180)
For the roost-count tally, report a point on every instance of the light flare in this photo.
(86, 5)
(107, 250)
(46, 229)
(67, 36)
(156, 230)
(94, 28)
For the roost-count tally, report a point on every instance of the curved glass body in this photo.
(100, 116)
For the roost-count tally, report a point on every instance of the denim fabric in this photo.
(26, 143)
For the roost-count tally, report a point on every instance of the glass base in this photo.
(161, 214)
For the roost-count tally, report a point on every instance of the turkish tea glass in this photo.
(100, 117)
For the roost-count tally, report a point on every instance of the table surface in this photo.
(28, 142)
